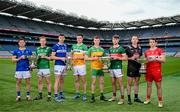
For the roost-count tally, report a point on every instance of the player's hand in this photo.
(132, 58)
(94, 58)
(158, 59)
(62, 59)
(22, 57)
(43, 56)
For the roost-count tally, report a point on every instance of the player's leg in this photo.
(48, 82)
(113, 83)
(40, 87)
(84, 84)
(61, 86)
(18, 88)
(159, 93)
(28, 89)
(121, 85)
(100, 74)
(56, 86)
(114, 87)
(157, 75)
(93, 87)
(77, 86)
(148, 94)
(129, 84)
(136, 90)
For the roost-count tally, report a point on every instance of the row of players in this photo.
(154, 57)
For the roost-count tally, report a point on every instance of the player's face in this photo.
(115, 41)
(61, 39)
(134, 40)
(152, 43)
(43, 42)
(21, 43)
(79, 39)
(96, 42)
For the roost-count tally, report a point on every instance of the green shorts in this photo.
(96, 73)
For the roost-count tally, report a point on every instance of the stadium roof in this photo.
(47, 14)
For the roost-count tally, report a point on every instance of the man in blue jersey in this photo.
(21, 58)
(59, 54)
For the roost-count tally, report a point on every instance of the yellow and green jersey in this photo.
(96, 52)
(78, 51)
(41, 62)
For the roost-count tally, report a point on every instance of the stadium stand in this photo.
(12, 26)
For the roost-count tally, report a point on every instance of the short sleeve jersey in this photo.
(61, 51)
(78, 51)
(153, 53)
(131, 51)
(41, 62)
(96, 52)
(116, 52)
(22, 65)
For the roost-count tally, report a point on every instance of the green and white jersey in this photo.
(78, 51)
(41, 62)
(116, 52)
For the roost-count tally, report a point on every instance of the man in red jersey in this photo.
(154, 56)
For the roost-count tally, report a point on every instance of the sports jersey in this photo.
(43, 63)
(132, 51)
(116, 52)
(61, 51)
(153, 53)
(78, 51)
(23, 64)
(96, 52)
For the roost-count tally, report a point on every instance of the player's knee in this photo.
(101, 82)
(149, 85)
(40, 82)
(93, 83)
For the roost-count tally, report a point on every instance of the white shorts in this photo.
(116, 73)
(79, 70)
(43, 72)
(60, 70)
(22, 74)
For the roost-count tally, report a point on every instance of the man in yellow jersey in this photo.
(79, 66)
(94, 53)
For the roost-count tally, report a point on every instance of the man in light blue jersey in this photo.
(59, 54)
(21, 58)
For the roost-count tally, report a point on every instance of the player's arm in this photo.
(54, 57)
(46, 57)
(161, 58)
(14, 59)
(123, 58)
(88, 58)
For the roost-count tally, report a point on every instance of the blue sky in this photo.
(116, 10)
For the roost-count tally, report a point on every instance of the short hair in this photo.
(135, 36)
(96, 37)
(153, 38)
(21, 38)
(116, 36)
(61, 34)
(42, 37)
(80, 34)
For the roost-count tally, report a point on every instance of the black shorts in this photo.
(133, 70)
(133, 73)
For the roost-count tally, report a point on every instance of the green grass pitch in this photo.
(171, 92)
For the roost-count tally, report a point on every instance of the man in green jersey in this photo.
(117, 55)
(79, 66)
(94, 54)
(42, 60)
